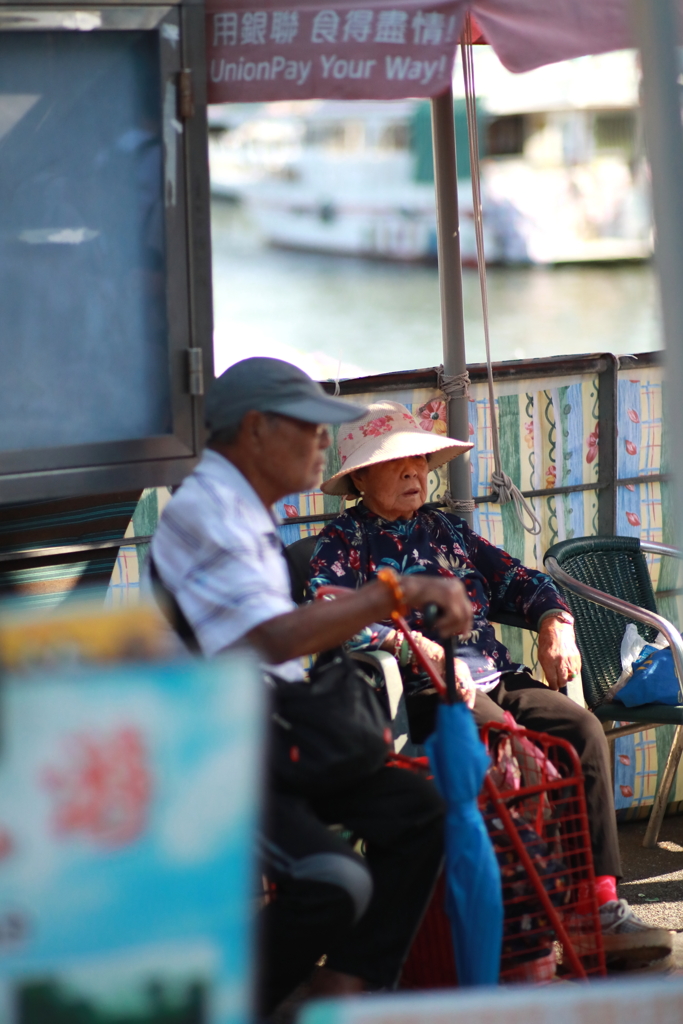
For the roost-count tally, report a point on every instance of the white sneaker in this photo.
(618, 918)
(626, 937)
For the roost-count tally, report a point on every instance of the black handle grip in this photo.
(450, 670)
(430, 614)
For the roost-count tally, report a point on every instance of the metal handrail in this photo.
(660, 549)
(625, 608)
(632, 611)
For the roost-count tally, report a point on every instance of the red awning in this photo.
(389, 49)
(529, 33)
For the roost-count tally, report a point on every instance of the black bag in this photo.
(325, 734)
(328, 733)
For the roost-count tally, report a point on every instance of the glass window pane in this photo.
(82, 251)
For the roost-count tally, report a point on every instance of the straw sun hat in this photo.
(388, 431)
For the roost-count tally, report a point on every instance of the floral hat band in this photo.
(390, 431)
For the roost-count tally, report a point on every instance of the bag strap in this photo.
(172, 611)
(175, 615)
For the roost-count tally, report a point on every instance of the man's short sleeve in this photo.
(222, 561)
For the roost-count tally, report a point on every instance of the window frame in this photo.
(154, 460)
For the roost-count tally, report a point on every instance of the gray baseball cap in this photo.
(272, 385)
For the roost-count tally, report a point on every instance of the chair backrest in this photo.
(617, 566)
(298, 557)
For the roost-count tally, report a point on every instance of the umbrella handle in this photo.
(430, 615)
(451, 689)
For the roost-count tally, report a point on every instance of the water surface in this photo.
(319, 310)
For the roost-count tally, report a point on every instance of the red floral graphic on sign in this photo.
(433, 416)
(551, 476)
(6, 843)
(626, 791)
(291, 511)
(630, 487)
(631, 448)
(625, 759)
(592, 442)
(104, 789)
(633, 415)
(633, 518)
(382, 425)
(529, 433)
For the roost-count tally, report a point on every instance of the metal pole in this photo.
(656, 26)
(450, 283)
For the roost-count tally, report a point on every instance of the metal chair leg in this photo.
(662, 794)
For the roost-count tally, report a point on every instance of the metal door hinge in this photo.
(185, 95)
(195, 363)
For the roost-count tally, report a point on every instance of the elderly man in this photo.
(217, 552)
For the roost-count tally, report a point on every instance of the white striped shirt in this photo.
(217, 550)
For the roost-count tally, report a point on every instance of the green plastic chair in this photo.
(607, 584)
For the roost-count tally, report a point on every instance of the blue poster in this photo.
(128, 803)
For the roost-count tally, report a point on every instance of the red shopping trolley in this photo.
(534, 806)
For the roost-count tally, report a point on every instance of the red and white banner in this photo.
(389, 49)
(377, 49)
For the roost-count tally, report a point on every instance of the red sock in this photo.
(605, 889)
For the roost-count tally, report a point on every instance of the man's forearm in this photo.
(321, 625)
(325, 624)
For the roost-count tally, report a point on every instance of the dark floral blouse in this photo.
(354, 546)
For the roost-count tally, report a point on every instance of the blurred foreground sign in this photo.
(376, 50)
(128, 799)
(659, 1001)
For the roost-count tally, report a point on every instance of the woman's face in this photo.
(394, 489)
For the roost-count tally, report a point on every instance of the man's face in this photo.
(296, 452)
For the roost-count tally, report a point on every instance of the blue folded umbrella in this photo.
(474, 901)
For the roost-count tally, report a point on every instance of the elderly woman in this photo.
(386, 459)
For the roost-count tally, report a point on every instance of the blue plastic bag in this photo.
(654, 680)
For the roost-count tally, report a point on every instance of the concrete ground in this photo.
(653, 879)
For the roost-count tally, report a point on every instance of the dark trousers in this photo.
(534, 706)
(361, 912)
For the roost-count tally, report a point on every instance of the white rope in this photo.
(456, 385)
(459, 505)
(503, 489)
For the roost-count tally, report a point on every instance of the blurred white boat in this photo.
(563, 175)
(340, 177)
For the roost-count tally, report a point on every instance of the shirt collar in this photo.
(362, 512)
(217, 467)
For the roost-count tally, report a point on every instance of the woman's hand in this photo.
(557, 652)
(431, 650)
(464, 683)
(450, 596)
(436, 655)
